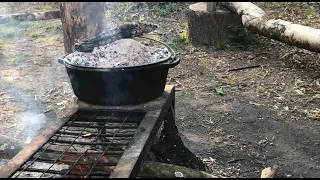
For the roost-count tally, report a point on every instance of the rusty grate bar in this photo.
(94, 134)
(94, 152)
(89, 144)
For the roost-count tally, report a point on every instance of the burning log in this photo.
(87, 164)
(123, 31)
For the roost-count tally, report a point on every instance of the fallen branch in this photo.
(162, 170)
(235, 160)
(29, 16)
(256, 20)
(246, 67)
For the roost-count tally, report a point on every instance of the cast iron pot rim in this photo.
(171, 57)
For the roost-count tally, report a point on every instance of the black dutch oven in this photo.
(120, 85)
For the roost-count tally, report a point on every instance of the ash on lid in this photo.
(121, 53)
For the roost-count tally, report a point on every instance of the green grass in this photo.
(18, 59)
(180, 41)
(53, 39)
(37, 30)
(12, 23)
(41, 39)
(165, 9)
(8, 32)
(45, 26)
(5, 45)
(119, 11)
(16, 23)
(37, 33)
(220, 45)
(12, 29)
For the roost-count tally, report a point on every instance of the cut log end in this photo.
(203, 27)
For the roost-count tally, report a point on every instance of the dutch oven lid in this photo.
(171, 56)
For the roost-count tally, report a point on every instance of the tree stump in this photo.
(204, 28)
(80, 21)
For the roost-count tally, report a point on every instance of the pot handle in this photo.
(172, 62)
(61, 61)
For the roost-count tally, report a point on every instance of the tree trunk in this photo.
(80, 21)
(256, 20)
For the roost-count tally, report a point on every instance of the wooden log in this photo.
(163, 170)
(81, 21)
(211, 6)
(109, 36)
(36, 16)
(203, 27)
(256, 20)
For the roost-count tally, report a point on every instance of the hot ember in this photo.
(85, 164)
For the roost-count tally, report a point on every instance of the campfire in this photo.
(90, 144)
(98, 141)
(86, 169)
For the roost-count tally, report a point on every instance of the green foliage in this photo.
(4, 45)
(37, 30)
(141, 18)
(119, 12)
(220, 91)
(240, 35)
(53, 39)
(12, 28)
(45, 26)
(35, 24)
(180, 41)
(8, 32)
(12, 23)
(128, 19)
(155, 36)
(220, 45)
(39, 40)
(38, 33)
(165, 9)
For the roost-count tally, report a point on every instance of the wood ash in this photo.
(121, 53)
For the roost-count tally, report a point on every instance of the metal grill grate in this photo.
(89, 145)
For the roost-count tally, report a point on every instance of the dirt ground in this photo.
(263, 116)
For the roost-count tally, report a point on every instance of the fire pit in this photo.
(95, 141)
